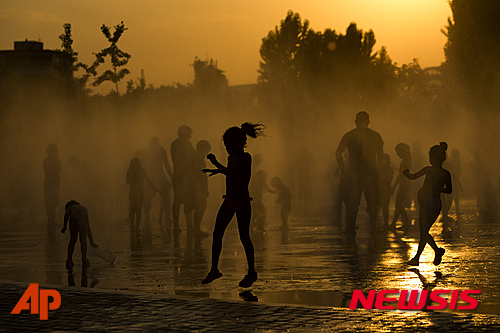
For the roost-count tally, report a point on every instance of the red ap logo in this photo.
(39, 301)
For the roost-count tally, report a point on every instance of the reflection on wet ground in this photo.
(313, 263)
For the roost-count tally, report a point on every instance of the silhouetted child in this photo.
(135, 180)
(237, 198)
(258, 186)
(284, 200)
(437, 181)
(78, 218)
(386, 173)
(403, 197)
(51, 185)
(196, 188)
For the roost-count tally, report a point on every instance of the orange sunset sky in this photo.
(164, 36)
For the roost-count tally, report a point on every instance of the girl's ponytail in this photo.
(253, 130)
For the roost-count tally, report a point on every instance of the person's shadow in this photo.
(426, 285)
(84, 279)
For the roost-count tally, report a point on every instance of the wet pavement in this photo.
(313, 265)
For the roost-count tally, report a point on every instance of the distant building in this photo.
(30, 63)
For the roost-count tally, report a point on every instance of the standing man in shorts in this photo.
(365, 147)
(183, 152)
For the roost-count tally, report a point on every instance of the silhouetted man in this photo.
(155, 162)
(183, 152)
(365, 146)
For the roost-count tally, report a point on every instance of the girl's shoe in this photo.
(413, 262)
(211, 276)
(248, 280)
(439, 256)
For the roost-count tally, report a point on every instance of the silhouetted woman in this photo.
(437, 181)
(237, 198)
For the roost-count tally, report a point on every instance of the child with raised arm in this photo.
(78, 218)
(237, 198)
(437, 180)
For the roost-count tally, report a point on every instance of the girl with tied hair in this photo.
(437, 181)
(237, 198)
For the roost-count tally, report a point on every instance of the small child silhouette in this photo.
(78, 218)
(284, 199)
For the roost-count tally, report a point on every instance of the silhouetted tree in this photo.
(67, 47)
(279, 72)
(472, 52)
(67, 44)
(307, 71)
(118, 57)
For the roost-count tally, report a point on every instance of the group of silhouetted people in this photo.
(363, 167)
(150, 173)
(367, 169)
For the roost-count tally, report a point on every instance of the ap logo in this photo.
(37, 300)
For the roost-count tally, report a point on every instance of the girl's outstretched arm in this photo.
(416, 175)
(220, 168)
(212, 171)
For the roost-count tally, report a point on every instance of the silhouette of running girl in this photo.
(437, 181)
(237, 198)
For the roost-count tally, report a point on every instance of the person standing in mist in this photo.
(403, 197)
(386, 174)
(183, 152)
(155, 161)
(135, 180)
(237, 198)
(196, 185)
(365, 147)
(51, 185)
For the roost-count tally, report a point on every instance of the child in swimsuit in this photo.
(437, 181)
(237, 198)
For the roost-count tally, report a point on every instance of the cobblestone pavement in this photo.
(91, 310)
